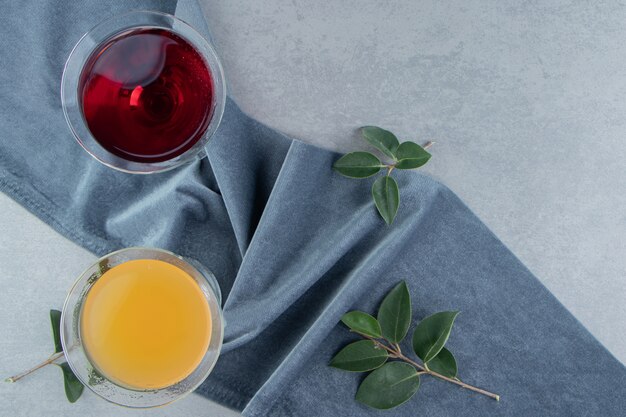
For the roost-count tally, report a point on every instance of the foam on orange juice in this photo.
(145, 324)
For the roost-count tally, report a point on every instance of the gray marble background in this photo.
(527, 104)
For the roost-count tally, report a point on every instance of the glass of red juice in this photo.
(143, 92)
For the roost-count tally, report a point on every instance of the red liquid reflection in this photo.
(146, 95)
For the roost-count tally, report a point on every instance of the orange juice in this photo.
(145, 324)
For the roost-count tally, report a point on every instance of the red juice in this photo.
(146, 95)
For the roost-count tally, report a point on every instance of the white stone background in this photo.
(527, 104)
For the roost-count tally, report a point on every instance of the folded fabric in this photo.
(294, 246)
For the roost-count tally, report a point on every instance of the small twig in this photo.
(428, 144)
(452, 380)
(379, 344)
(48, 361)
(396, 353)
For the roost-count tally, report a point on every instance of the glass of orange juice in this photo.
(143, 327)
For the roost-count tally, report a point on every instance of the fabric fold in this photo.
(241, 149)
(295, 245)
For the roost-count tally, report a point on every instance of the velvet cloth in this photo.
(294, 246)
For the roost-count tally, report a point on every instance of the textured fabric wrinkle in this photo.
(237, 157)
(375, 259)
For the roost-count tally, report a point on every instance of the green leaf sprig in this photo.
(394, 382)
(405, 155)
(73, 386)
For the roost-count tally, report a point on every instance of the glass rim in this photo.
(104, 31)
(78, 359)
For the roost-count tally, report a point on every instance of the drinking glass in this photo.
(78, 357)
(167, 101)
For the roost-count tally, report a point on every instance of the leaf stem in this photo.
(48, 361)
(452, 380)
(396, 353)
(391, 167)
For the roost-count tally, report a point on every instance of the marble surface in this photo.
(525, 101)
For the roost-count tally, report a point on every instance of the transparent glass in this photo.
(102, 33)
(98, 383)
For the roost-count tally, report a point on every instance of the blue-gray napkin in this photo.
(294, 246)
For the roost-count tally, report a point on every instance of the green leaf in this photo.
(361, 322)
(55, 320)
(389, 386)
(359, 356)
(432, 333)
(358, 165)
(73, 387)
(410, 156)
(386, 197)
(381, 139)
(444, 364)
(394, 314)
